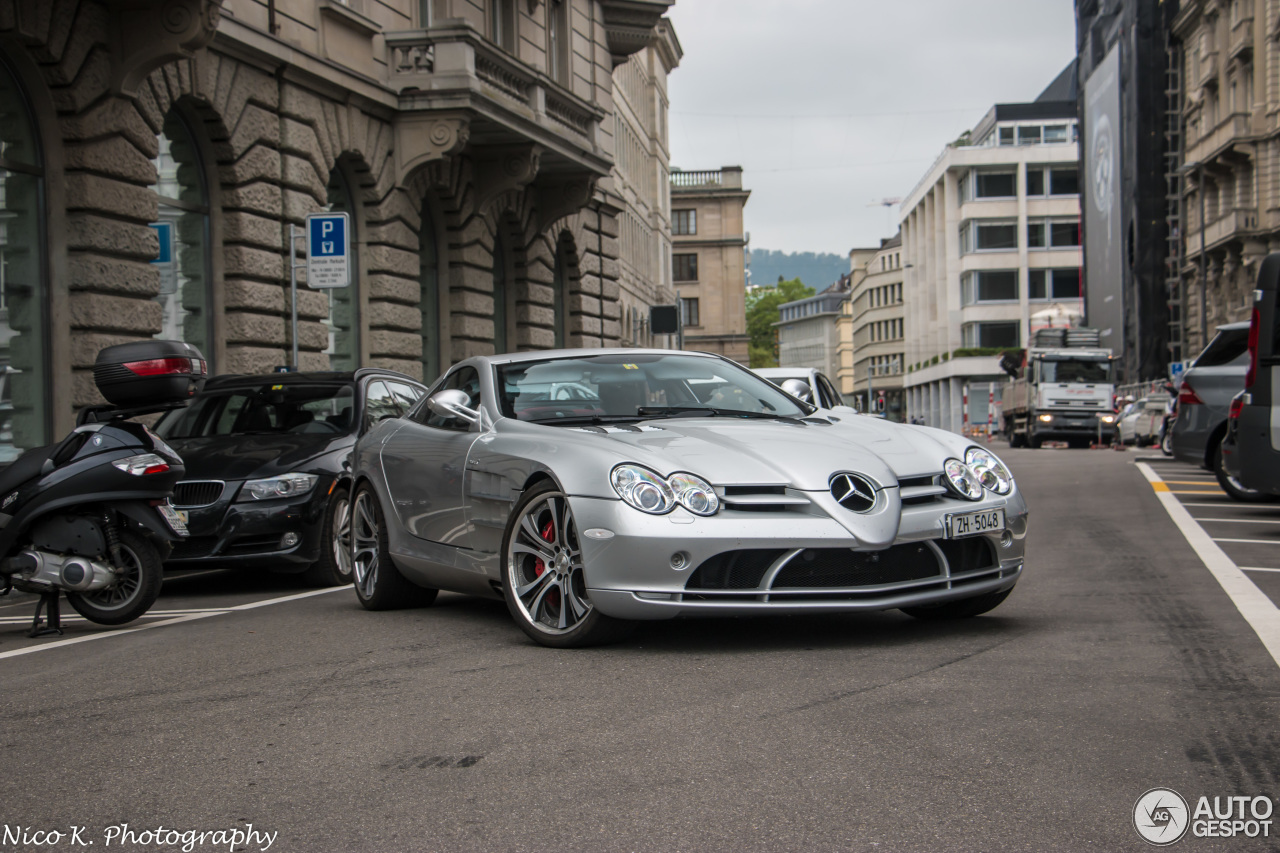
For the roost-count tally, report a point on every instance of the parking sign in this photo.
(328, 250)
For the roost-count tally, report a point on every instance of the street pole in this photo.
(293, 290)
(679, 322)
(871, 405)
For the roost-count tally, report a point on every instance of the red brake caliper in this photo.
(547, 533)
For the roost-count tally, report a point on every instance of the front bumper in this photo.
(636, 573)
(1074, 425)
(227, 534)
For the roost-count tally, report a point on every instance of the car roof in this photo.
(230, 380)
(1232, 327)
(784, 372)
(585, 352)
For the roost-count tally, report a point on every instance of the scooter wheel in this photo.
(134, 591)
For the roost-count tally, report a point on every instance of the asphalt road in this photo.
(1118, 665)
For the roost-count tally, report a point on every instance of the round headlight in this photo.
(643, 489)
(694, 494)
(962, 479)
(991, 472)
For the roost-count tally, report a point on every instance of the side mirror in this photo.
(798, 388)
(453, 403)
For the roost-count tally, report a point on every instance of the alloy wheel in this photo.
(544, 566)
(122, 592)
(366, 543)
(342, 536)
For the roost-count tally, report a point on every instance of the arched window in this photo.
(185, 277)
(344, 303)
(429, 299)
(24, 360)
(499, 294)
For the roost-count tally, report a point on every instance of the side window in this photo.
(406, 396)
(829, 391)
(378, 403)
(464, 379)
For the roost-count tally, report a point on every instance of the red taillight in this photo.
(1252, 373)
(1187, 396)
(161, 366)
(1237, 404)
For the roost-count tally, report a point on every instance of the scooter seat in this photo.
(24, 468)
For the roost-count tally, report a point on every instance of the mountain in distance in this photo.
(815, 269)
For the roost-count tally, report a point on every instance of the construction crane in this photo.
(887, 203)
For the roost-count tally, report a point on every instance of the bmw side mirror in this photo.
(798, 388)
(453, 403)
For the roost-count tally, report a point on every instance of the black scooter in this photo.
(90, 516)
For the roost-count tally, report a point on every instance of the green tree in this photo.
(762, 313)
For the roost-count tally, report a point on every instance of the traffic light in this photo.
(880, 403)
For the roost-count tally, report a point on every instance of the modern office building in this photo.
(873, 369)
(708, 259)
(472, 142)
(990, 235)
(808, 335)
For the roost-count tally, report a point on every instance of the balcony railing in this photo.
(1242, 38)
(1228, 226)
(1234, 127)
(440, 61)
(730, 178)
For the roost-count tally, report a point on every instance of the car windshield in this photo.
(1075, 370)
(270, 408)
(631, 387)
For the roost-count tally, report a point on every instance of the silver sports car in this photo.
(675, 484)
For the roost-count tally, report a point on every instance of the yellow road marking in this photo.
(1193, 492)
(1159, 486)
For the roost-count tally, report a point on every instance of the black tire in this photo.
(135, 590)
(1234, 489)
(379, 584)
(543, 583)
(1033, 441)
(965, 608)
(334, 566)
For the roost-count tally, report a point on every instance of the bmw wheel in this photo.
(544, 580)
(379, 584)
(334, 566)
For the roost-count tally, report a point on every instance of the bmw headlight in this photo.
(962, 479)
(643, 489)
(991, 472)
(284, 486)
(694, 493)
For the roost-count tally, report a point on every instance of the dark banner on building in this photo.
(1103, 218)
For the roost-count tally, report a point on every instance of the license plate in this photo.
(177, 519)
(974, 523)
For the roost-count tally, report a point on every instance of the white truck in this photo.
(1062, 390)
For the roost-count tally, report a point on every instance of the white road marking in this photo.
(150, 614)
(1242, 520)
(1257, 569)
(175, 621)
(1256, 608)
(1251, 541)
(1210, 506)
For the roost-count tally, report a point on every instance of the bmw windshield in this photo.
(633, 387)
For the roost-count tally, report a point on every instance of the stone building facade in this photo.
(471, 142)
(708, 260)
(876, 360)
(1230, 99)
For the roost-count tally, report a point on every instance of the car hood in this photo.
(244, 457)
(730, 451)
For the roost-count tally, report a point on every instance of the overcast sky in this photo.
(833, 105)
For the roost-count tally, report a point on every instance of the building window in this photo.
(344, 305)
(502, 24)
(684, 267)
(990, 335)
(559, 297)
(429, 301)
(1064, 182)
(684, 222)
(424, 13)
(1053, 234)
(689, 312)
(1056, 133)
(1029, 135)
(995, 185)
(24, 371)
(558, 41)
(1007, 136)
(989, 286)
(1052, 284)
(988, 236)
(185, 275)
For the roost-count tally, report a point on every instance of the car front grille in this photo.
(763, 572)
(192, 494)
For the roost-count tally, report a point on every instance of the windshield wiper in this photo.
(705, 412)
(574, 420)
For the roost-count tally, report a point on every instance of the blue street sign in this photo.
(1175, 370)
(328, 250)
(164, 230)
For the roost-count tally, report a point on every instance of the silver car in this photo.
(1204, 398)
(687, 486)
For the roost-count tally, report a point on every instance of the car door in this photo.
(425, 466)
(828, 391)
